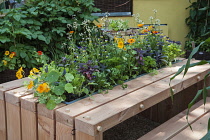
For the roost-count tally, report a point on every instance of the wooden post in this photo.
(46, 122)
(3, 88)
(13, 113)
(29, 117)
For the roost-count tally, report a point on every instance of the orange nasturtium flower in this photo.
(13, 53)
(99, 25)
(43, 88)
(131, 41)
(154, 32)
(140, 25)
(19, 74)
(30, 85)
(145, 30)
(71, 32)
(6, 53)
(120, 44)
(5, 62)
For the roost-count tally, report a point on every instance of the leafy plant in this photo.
(42, 25)
(203, 91)
(198, 20)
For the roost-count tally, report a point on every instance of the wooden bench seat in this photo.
(177, 128)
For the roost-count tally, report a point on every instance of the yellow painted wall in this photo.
(171, 12)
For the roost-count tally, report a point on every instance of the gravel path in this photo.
(131, 129)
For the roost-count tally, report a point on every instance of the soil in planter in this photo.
(72, 97)
(10, 75)
(199, 55)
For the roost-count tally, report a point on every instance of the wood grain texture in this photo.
(199, 130)
(178, 123)
(46, 128)
(87, 104)
(11, 85)
(13, 122)
(29, 125)
(2, 121)
(13, 96)
(114, 112)
(64, 132)
(83, 136)
(29, 102)
(46, 122)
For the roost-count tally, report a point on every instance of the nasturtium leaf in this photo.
(69, 76)
(51, 104)
(52, 76)
(69, 88)
(58, 90)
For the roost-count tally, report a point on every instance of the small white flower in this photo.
(155, 11)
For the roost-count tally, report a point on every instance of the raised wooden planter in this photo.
(90, 117)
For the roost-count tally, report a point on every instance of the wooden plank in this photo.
(13, 122)
(29, 117)
(12, 98)
(114, 112)
(199, 130)
(11, 85)
(3, 88)
(46, 129)
(2, 121)
(84, 136)
(29, 125)
(64, 132)
(67, 114)
(46, 122)
(178, 123)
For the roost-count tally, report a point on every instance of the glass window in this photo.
(114, 7)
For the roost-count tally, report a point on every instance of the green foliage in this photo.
(200, 92)
(118, 25)
(58, 83)
(195, 42)
(172, 51)
(149, 64)
(42, 26)
(198, 20)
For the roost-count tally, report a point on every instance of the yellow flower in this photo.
(43, 88)
(131, 41)
(150, 28)
(120, 44)
(20, 69)
(11, 55)
(5, 62)
(30, 85)
(31, 73)
(124, 49)
(6, 53)
(19, 74)
(35, 70)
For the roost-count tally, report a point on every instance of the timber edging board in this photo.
(114, 112)
(176, 126)
(3, 88)
(65, 116)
